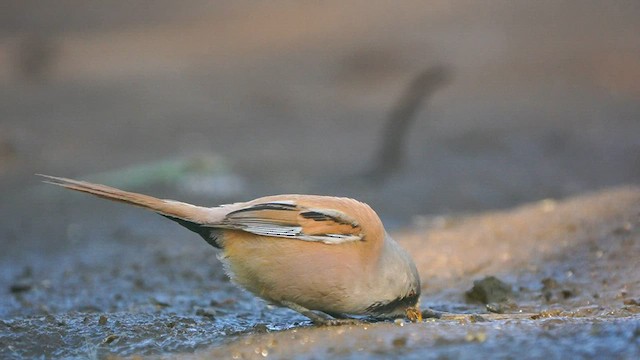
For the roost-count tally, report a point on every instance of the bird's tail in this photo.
(199, 219)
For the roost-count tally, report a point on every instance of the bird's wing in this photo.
(288, 219)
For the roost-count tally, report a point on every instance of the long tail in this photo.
(199, 219)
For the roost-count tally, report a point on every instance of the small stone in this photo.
(496, 308)
(431, 314)
(102, 320)
(567, 293)
(477, 318)
(399, 342)
(489, 290)
(633, 302)
(549, 283)
(20, 287)
(159, 303)
(206, 312)
(109, 339)
(261, 328)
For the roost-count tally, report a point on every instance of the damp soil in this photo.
(565, 272)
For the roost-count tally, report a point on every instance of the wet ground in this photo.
(570, 267)
(218, 102)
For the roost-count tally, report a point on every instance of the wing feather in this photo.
(289, 220)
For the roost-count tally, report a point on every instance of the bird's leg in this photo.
(319, 318)
(337, 315)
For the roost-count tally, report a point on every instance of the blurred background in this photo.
(530, 99)
(424, 108)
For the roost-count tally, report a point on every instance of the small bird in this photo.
(322, 256)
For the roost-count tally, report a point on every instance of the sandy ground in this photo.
(214, 102)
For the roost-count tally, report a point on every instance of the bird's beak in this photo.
(414, 314)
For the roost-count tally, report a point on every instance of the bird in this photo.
(328, 258)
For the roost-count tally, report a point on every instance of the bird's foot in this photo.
(322, 319)
(337, 322)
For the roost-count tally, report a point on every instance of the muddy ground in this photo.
(522, 164)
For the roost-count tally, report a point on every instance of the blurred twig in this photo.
(390, 154)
